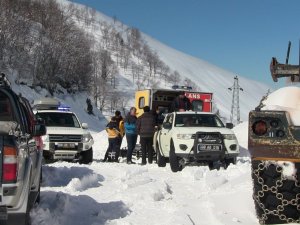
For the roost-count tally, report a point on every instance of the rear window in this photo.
(6, 113)
(53, 119)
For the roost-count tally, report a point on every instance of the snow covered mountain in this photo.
(212, 79)
(206, 76)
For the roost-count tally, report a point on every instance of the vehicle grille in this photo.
(209, 138)
(65, 138)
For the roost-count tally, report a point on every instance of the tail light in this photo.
(269, 127)
(9, 174)
(260, 128)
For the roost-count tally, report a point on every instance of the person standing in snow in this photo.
(145, 128)
(120, 123)
(113, 133)
(131, 133)
(181, 103)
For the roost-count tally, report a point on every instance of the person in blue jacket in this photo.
(131, 133)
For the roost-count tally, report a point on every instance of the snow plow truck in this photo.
(274, 145)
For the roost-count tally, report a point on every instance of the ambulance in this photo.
(162, 99)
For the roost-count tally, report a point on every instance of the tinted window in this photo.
(197, 120)
(197, 105)
(6, 113)
(59, 119)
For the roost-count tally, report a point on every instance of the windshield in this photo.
(59, 119)
(197, 120)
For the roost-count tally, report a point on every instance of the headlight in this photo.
(45, 138)
(229, 136)
(86, 137)
(184, 136)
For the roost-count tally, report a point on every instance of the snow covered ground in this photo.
(110, 193)
(121, 194)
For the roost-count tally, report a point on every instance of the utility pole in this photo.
(235, 105)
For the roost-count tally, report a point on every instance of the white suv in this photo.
(66, 138)
(194, 137)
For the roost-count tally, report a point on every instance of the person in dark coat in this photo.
(159, 117)
(120, 123)
(145, 128)
(131, 133)
(181, 103)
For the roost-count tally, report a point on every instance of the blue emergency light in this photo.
(64, 108)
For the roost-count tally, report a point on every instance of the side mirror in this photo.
(229, 125)
(84, 125)
(39, 130)
(167, 126)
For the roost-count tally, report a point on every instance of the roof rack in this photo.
(46, 104)
(4, 82)
(175, 87)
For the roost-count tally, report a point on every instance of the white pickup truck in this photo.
(66, 138)
(194, 137)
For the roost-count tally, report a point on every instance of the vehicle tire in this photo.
(174, 160)
(229, 161)
(86, 156)
(276, 197)
(161, 160)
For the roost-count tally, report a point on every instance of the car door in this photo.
(166, 134)
(31, 144)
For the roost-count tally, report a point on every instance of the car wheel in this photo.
(174, 160)
(161, 160)
(229, 161)
(276, 197)
(86, 156)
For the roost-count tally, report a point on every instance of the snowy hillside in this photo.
(206, 76)
(212, 79)
(77, 103)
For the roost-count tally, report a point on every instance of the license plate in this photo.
(66, 145)
(202, 147)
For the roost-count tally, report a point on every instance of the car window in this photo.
(197, 105)
(6, 113)
(170, 119)
(197, 120)
(59, 119)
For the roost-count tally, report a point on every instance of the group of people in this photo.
(131, 127)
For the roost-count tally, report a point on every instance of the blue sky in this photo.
(237, 35)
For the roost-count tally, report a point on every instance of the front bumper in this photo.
(65, 150)
(189, 148)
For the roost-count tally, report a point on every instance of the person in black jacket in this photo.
(181, 103)
(145, 128)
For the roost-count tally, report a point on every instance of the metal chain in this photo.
(275, 190)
